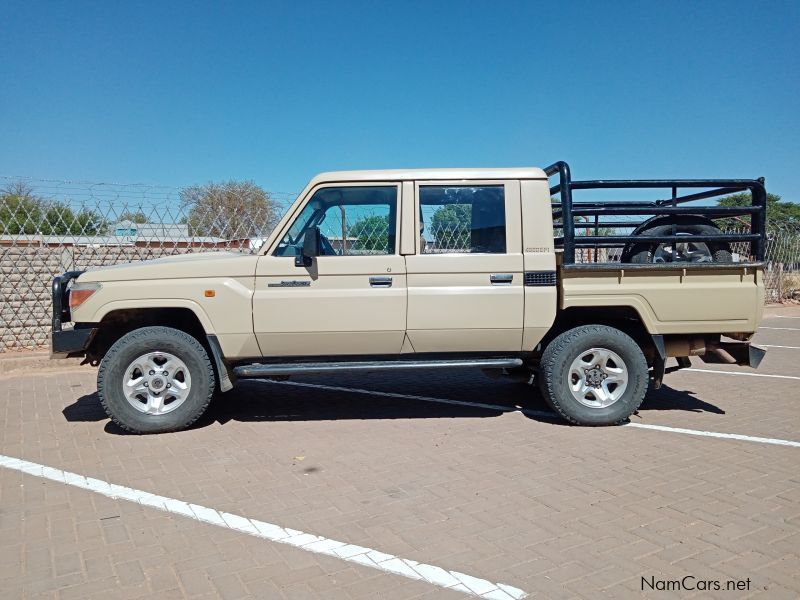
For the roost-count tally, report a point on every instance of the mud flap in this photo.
(659, 362)
(225, 383)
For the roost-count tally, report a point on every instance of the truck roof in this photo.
(430, 174)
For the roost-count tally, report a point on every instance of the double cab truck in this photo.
(497, 269)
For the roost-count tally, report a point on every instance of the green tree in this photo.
(451, 226)
(230, 210)
(134, 217)
(20, 210)
(783, 225)
(371, 233)
(779, 212)
(60, 219)
(23, 212)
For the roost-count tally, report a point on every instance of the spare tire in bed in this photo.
(688, 251)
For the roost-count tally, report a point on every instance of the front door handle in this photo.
(380, 281)
(501, 278)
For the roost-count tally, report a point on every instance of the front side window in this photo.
(456, 219)
(353, 221)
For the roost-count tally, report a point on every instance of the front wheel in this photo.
(155, 379)
(593, 375)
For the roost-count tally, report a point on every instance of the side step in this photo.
(270, 370)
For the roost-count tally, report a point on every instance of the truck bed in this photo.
(671, 298)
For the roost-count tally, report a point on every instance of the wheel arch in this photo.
(156, 304)
(116, 321)
(626, 318)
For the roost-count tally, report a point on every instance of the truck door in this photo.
(465, 281)
(352, 298)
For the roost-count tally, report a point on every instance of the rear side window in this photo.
(458, 219)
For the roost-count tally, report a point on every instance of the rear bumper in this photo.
(711, 351)
(734, 353)
(72, 342)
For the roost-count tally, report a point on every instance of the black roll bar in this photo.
(564, 189)
(720, 187)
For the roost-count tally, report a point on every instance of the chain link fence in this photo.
(49, 227)
(782, 273)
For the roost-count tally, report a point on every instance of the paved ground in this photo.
(557, 511)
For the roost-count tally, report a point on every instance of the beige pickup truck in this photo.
(496, 269)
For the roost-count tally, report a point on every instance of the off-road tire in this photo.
(554, 372)
(149, 339)
(642, 252)
(646, 256)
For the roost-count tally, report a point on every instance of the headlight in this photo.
(80, 293)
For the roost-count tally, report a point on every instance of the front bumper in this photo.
(72, 342)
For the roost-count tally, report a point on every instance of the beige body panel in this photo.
(452, 304)
(180, 266)
(181, 282)
(673, 301)
(464, 312)
(541, 302)
(338, 312)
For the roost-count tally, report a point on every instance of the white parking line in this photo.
(740, 373)
(545, 414)
(782, 328)
(781, 317)
(716, 434)
(451, 580)
(785, 347)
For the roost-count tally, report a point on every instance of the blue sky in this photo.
(186, 92)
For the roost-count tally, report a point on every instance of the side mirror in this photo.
(311, 246)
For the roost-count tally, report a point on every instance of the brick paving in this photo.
(559, 511)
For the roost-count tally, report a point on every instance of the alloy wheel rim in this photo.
(598, 377)
(156, 383)
(696, 252)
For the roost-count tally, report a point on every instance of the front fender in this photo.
(99, 313)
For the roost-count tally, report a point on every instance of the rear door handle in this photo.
(380, 281)
(501, 278)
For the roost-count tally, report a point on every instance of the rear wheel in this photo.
(155, 379)
(593, 375)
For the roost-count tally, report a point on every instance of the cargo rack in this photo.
(566, 210)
